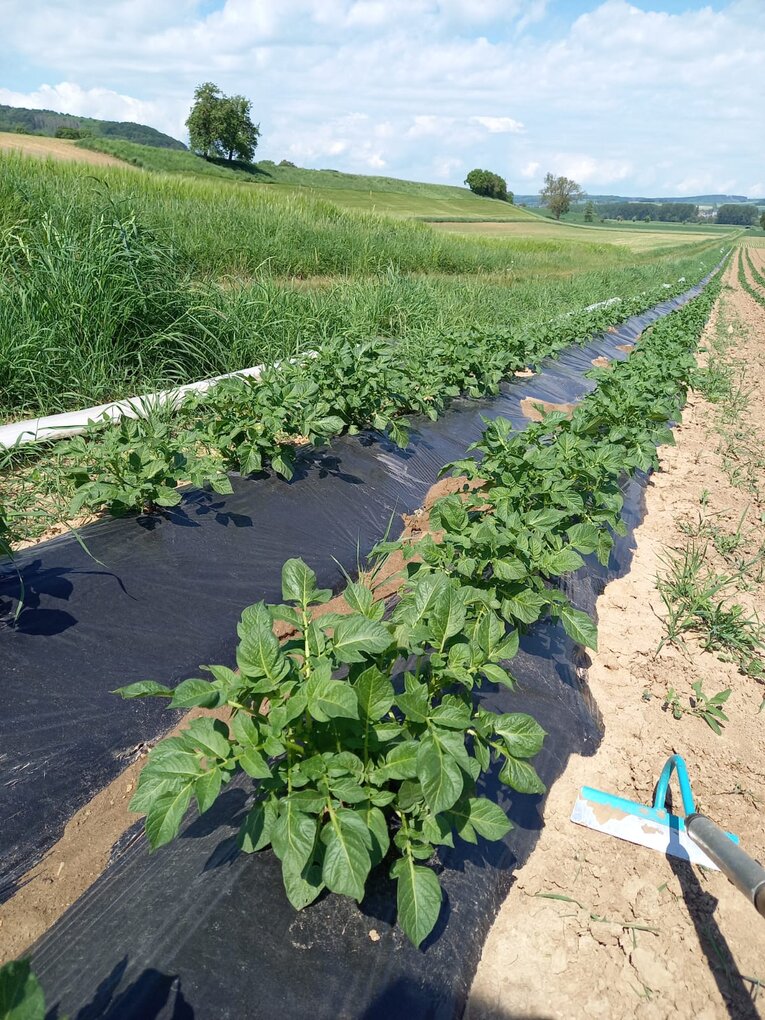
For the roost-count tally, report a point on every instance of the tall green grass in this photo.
(219, 228)
(115, 283)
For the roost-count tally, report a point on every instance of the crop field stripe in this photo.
(663, 356)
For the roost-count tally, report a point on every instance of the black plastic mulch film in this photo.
(199, 930)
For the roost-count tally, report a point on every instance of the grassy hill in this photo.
(48, 122)
(410, 199)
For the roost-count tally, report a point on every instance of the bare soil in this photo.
(597, 927)
(535, 410)
(55, 148)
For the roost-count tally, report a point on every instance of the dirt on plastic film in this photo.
(597, 927)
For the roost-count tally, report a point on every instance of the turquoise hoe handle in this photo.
(741, 869)
(675, 764)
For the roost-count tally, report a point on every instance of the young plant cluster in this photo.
(137, 464)
(351, 768)
(361, 761)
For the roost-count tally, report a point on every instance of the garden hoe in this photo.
(694, 838)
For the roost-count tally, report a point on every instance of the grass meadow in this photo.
(114, 282)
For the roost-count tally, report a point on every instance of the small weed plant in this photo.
(702, 705)
(697, 600)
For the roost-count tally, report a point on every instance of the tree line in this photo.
(668, 212)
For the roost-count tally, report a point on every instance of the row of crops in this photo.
(745, 262)
(344, 761)
(247, 425)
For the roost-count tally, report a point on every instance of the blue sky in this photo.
(643, 98)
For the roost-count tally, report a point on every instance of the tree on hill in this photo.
(489, 185)
(737, 215)
(221, 125)
(558, 193)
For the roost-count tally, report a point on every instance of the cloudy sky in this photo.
(643, 98)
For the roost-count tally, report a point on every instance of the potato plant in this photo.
(136, 465)
(352, 768)
(255, 423)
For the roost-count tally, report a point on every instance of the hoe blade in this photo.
(636, 823)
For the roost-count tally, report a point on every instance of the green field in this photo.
(637, 237)
(351, 191)
(118, 282)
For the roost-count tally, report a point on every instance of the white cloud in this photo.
(643, 99)
(446, 167)
(500, 125)
(587, 169)
(424, 126)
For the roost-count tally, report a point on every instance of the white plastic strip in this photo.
(72, 423)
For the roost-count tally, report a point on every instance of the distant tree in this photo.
(488, 184)
(558, 193)
(762, 222)
(237, 135)
(204, 118)
(71, 133)
(221, 125)
(589, 212)
(737, 215)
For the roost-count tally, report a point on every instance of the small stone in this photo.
(559, 961)
(651, 969)
(374, 935)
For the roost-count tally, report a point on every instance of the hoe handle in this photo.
(742, 870)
